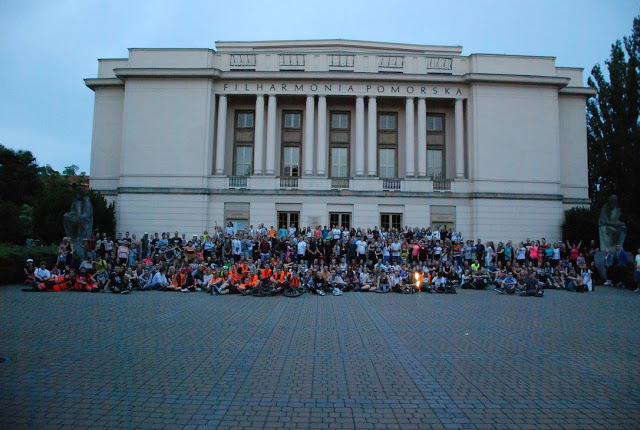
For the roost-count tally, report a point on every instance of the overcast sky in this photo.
(49, 47)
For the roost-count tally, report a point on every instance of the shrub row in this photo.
(13, 258)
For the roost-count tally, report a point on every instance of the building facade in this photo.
(359, 134)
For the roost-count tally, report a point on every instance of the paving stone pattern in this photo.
(363, 360)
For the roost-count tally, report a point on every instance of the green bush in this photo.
(13, 258)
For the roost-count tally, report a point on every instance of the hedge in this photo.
(13, 258)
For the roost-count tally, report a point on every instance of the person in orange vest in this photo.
(281, 279)
(236, 277)
(85, 282)
(266, 273)
(215, 279)
(218, 282)
(174, 279)
(251, 281)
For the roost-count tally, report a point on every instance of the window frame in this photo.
(242, 143)
(342, 145)
(389, 223)
(286, 144)
(387, 132)
(289, 216)
(441, 147)
(284, 119)
(340, 222)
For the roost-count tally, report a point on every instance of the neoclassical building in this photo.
(345, 132)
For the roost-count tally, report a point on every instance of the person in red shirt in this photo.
(85, 282)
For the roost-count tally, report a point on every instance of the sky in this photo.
(49, 47)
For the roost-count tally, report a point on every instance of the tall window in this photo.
(341, 219)
(391, 220)
(340, 136)
(291, 143)
(387, 163)
(243, 135)
(435, 146)
(387, 144)
(244, 154)
(291, 161)
(288, 219)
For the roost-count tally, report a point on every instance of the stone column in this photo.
(459, 140)
(258, 140)
(422, 137)
(360, 136)
(271, 136)
(321, 161)
(372, 137)
(410, 161)
(309, 116)
(221, 140)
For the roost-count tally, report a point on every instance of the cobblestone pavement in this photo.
(363, 360)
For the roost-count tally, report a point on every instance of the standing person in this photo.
(480, 252)
(488, 254)
(236, 248)
(302, 250)
(395, 251)
(361, 249)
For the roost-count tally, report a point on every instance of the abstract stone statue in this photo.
(612, 232)
(78, 222)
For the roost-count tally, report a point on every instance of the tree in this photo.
(613, 130)
(33, 200)
(70, 171)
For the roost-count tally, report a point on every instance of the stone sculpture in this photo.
(612, 233)
(78, 222)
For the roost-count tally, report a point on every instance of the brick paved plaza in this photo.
(363, 360)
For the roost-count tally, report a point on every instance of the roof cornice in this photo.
(95, 83)
(175, 73)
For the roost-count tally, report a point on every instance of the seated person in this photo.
(575, 282)
(466, 280)
(508, 284)
(481, 279)
(532, 287)
(29, 273)
(118, 283)
(383, 284)
(159, 280)
(85, 282)
(218, 280)
(369, 280)
(336, 283)
(87, 265)
(249, 282)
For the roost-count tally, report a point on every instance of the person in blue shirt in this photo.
(507, 285)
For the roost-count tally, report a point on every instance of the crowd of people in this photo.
(291, 261)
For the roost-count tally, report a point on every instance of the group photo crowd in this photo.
(290, 261)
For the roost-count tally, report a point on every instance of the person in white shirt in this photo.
(440, 282)
(361, 249)
(236, 248)
(395, 251)
(586, 277)
(302, 249)
(41, 273)
(159, 280)
(335, 232)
